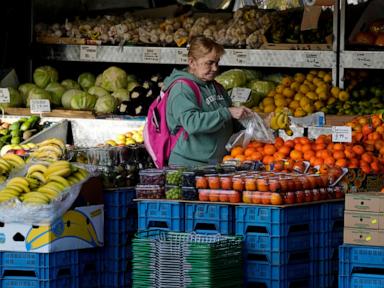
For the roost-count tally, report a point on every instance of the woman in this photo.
(208, 125)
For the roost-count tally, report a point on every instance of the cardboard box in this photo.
(365, 220)
(367, 237)
(79, 228)
(369, 202)
(357, 181)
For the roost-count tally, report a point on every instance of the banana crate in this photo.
(79, 228)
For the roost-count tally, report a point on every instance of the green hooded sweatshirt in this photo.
(209, 126)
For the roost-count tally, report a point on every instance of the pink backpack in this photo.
(158, 140)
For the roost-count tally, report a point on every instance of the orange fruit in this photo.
(354, 163)
(249, 151)
(306, 147)
(366, 157)
(329, 161)
(289, 143)
(298, 147)
(279, 142)
(358, 149)
(342, 162)
(296, 155)
(268, 159)
(240, 157)
(318, 161)
(237, 150)
(375, 166)
(227, 158)
(269, 149)
(256, 156)
(276, 199)
(338, 147)
(284, 150)
(338, 154)
(308, 155)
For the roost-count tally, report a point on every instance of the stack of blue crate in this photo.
(361, 266)
(119, 226)
(70, 269)
(330, 224)
(278, 244)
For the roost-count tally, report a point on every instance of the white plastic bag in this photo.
(255, 129)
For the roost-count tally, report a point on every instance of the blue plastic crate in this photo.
(258, 271)
(274, 221)
(329, 239)
(361, 281)
(333, 210)
(116, 252)
(120, 211)
(122, 225)
(40, 265)
(276, 283)
(119, 279)
(354, 258)
(160, 214)
(118, 239)
(90, 280)
(261, 242)
(119, 196)
(20, 282)
(329, 225)
(116, 266)
(326, 253)
(325, 281)
(282, 257)
(209, 218)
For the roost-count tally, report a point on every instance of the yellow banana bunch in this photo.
(280, 120)
(51, 149)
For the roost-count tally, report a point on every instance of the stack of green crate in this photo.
(187, 260)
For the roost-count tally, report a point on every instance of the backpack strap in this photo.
(192, 84)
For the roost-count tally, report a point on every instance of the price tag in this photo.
(239, 57)
(240, 94)
(364, 60)
(88, 52)
(181, 56)
(341, 134)
(39, 106)
(312, 59)
(5, 97)
(151, 55)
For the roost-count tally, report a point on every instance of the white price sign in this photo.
(239, 57)
(181, 56)
(341, 134)
(5, 97)
(40, 106)
(364, 60)
(151, 55)
(312, 59)
(88, 52)
(240, 94)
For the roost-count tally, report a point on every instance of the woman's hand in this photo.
(240, 112)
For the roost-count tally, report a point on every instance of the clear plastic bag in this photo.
(255, 129)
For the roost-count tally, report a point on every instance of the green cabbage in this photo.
(277, 77)
(57, 90)
(252, 74)
(44, 75)
(232, 78)
(105, 104)
(99, 80)
(261, 88)
(113, 79)
(86, 80)
(98, 91)
(24, 90)
(68, 95)
(70, 84)
(37, 93)
(15, 99)
(121, 95)
(83, 101)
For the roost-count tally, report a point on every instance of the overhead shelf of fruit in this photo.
(252, 36)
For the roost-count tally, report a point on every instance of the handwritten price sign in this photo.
(341, 134)
(5, 97)
(88, 52)
(151, 55)
(39, 106)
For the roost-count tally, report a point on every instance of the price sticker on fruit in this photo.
(39, 106)
(5, 97)
(342, 134)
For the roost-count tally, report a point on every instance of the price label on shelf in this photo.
(39, 106)
(240, 94)
(311, 59)
(88, 52)
(239, 57)
(151, 55)
(5, 97)
(341, 134)
(364, 60)
(181, 56)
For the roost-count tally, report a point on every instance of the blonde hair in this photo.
(199, 46)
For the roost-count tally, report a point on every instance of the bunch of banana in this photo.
(280, 120)
(9, 162)
(43, 183)
(51, 149)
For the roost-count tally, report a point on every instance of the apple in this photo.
(20, 152)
